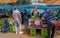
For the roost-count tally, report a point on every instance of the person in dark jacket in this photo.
(22, 14)
(51, 23)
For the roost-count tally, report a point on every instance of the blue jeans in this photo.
(51, 28)
(17, 25)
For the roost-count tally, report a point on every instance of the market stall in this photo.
(34, 21)
(35, 24)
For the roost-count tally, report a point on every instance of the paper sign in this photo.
(37, 22)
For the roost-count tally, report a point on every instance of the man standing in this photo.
(51, 23)
(17, 19)
(45, 13)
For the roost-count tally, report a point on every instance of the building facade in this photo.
(37, 2)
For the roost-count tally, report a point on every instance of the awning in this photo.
(29, 7)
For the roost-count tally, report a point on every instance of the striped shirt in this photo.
(49, 18)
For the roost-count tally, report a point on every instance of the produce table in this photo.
(36, 27)
(33, 26)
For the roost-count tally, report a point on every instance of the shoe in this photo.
(16, 33)
(21, 32)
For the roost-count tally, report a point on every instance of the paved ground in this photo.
(13, 35)
(57, 36)
(25, 35)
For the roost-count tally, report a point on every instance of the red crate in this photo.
(58, 23)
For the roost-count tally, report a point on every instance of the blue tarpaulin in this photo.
(2, 7)
(28, 7)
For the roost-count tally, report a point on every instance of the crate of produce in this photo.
(11, 27)
(44, 32)
(33, 32)
(1, 24)
(58, 23)
(1, 28)
(11, 24)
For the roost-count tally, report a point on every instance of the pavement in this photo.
(57, 36)
(24, 35)
(13, 35)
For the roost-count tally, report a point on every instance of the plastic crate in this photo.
(11, 28)
(44, 32)
(32, 32)
(58, 23)
(0, 28)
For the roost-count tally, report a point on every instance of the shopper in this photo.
(5, 27)
(33, 12)
(46, 12)
(17, 18)
(51, 23)
(23, 19)
(11, 12)
(38, 14)
(26, 15)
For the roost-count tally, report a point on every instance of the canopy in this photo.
(29, 7)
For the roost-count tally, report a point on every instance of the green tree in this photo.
(22, 2)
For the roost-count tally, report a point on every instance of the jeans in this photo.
(51, 29)
(17, 26)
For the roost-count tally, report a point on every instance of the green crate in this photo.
(44, 32)
(32, 32)
(11, 28)
(0, 27)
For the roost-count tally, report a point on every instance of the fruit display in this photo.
(10, 21)
(5, 26)
(11, 28)
(11, 25)
(34, 24)
(1, 23)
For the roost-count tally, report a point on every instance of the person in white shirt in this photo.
(17, 20)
